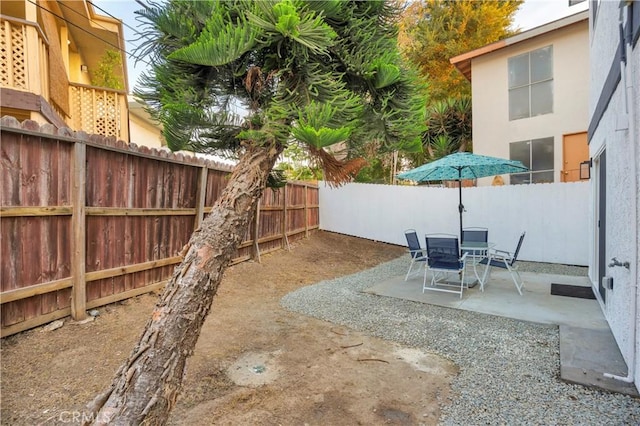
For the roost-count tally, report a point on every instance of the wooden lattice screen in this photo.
(24, 59)
(13, 71)
(100, 111)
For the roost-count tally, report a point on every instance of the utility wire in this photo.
(135, 30)
(90, 33)
(80, 14)
(110, 15)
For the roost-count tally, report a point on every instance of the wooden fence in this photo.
(88, 220)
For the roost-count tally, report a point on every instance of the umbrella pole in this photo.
(460, 205)
(460, 209)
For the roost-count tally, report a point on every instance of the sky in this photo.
(532, 13)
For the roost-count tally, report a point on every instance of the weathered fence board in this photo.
(87, 221)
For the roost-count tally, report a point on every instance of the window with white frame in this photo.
(537, 155)
(531, 83)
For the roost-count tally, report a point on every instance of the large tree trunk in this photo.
(146, 386)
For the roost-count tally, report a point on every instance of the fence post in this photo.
(285, 240)
(78, 229)
(306, 210)
(256, 229)
(201, 195)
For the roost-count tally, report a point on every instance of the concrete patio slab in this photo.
(587, 347)
(585, 353)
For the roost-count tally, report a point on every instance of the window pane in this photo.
(519, 179)
(542, 64)
(542, 177)
(542, 154)
(519, 151)
(519, 103)
(541, 98)
(519, 70)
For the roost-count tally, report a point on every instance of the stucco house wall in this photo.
(618, 137)
(143, 130)
(492, 129)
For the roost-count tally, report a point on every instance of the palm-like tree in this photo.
(448, 120)
(318, 73)
(448, 130)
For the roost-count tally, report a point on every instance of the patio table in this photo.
(478, 250)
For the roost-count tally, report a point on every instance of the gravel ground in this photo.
(552, 268)
(509, 369)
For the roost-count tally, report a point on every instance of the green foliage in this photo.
(276, 179)
(322, 137)
(299, 172)
(377, 171)
(297, 165)
(106, 75)
(217, 45)
(385, 75)
(434, 31)
(284, 20)
(448, 130)
(234, 73)
(451, 118)
(431, 33)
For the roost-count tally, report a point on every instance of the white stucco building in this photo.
(614, 111)
(530, 99)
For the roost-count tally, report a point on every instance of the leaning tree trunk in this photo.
(146, 386)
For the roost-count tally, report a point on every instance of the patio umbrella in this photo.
(462, 165)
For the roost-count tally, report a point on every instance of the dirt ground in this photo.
(255, 363)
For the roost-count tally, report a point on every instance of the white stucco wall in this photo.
(555, 216)
(622, 161)
(492, 129)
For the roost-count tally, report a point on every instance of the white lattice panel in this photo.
(107, 114)
(96, 111)
(18, 56)
(12, 56)
(5, 58)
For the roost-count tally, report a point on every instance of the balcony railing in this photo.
(23, 56)
(99, 110)
(24, 66)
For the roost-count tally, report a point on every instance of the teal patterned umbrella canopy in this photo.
(463, 165)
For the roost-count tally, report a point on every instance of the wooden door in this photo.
(575, 150)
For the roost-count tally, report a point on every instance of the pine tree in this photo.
(322, 74)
